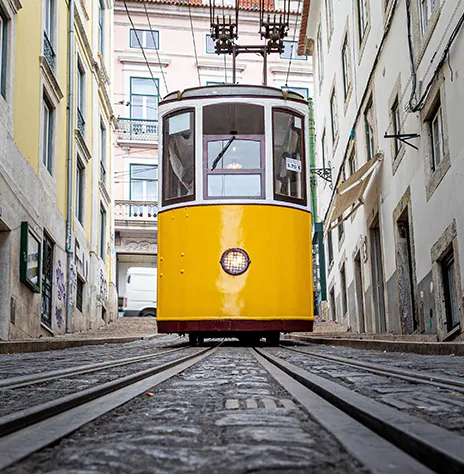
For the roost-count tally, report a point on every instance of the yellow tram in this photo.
(234, 223)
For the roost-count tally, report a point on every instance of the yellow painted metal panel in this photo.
(192, 284)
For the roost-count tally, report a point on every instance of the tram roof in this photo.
(234, 90)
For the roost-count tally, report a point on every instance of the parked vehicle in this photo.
(141, 287)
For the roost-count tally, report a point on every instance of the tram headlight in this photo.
(235, 261)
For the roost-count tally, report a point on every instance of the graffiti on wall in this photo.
(60, 282)
(103, 286)
(59, 317)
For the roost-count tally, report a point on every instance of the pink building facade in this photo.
(180, 54)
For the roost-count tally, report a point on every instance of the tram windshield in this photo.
(179, 158)
(289, 165)
(234, 150)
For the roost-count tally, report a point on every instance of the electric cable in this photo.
(156, 47)
(194, 44)
(141, 47)
(293, 42)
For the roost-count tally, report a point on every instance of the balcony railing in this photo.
(49, 53)
(137, 129)
(80, 122)
(131, 210)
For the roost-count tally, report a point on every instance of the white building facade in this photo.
(388, 112)
(177, 44)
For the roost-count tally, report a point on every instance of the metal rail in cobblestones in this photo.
(30, 430)
(26, 380)
(434, 447)
(448, 383)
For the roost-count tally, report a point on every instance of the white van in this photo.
(140, 298)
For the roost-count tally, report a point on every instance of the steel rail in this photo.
(437, 448)
(26, 380)
(449, 383)
(23, 418)
(58, 419)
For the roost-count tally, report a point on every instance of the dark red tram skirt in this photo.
(234, 325)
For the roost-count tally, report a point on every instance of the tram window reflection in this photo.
(241, 154)
(179, 158)
(289, 168)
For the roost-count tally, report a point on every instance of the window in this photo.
(334, 115)
(149, 39)
(395, 117)
(3, 52)
(289, 157)
(330, 17)
(47, 281)
(47, 137)
(234, 144)
(79, 293)
(436, 125)
(291, 51)
(102, 233)
(343, 290)
(320, 57)
(369, 130)
(341, 228)
(346, 67)
(80, 97)
(80, 170)
(448, 270)
(330, 247)
(102, 152)
(426, 8)
(352, 162)
(210, 45)
(101, 27)
(363, 10)
(324, 148)
(49, 32)
(179, 157)
(144, 99)
(144, 183)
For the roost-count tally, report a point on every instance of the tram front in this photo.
(234, 225)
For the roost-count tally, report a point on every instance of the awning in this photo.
(349, 193)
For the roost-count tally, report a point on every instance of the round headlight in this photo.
(235, 261)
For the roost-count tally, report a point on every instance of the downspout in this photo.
(70, 165)
(312, 161)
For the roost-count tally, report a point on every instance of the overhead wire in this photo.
(293, 41)
(142, 48)
(194, 44)
(156, 46)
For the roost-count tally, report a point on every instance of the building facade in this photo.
(388, 96)
(176, 41)
(56, 250)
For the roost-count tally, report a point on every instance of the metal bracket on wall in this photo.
(404, 137)
(323, 173)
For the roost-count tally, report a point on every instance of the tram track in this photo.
(447, 383)
(29, 430)
(431, 445)
(381, 438)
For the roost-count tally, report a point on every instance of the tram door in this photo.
(378, 284)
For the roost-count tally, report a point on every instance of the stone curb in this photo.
(15, 347)
(426, 348)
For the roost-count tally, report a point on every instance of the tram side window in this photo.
(234, 150)
(289, 163)
(178, 158)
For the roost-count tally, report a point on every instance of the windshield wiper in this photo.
(222, 153)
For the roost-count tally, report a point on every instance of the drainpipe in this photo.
(70, 165)
(312, 160)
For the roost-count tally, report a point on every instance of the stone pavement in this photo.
(119, 331)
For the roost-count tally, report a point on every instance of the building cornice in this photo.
(83, 149)
(126, 59)
(83, 36)
(294, 71)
